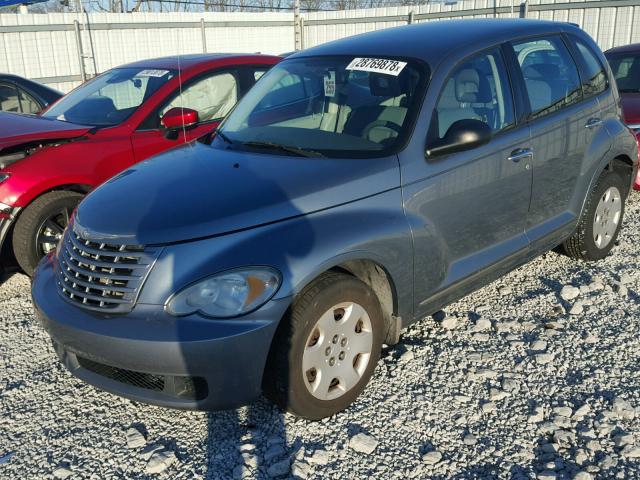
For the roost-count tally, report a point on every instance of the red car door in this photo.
(212, 95)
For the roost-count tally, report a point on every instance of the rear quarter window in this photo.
(594, 76)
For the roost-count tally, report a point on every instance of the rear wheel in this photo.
(39, 227)
(326, 352)
(601, 219)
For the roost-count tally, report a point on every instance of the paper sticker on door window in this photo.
(330, 84)
(152, 73)
(377, 65)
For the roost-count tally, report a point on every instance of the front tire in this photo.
(39, 227)
(601, 219)
(326, 350)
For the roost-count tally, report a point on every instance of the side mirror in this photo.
(179, 117)
(462, 135)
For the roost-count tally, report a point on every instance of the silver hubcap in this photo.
(607, 218)
(337, 351)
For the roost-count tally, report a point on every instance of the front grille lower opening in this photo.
(130, 377)
(183, 387)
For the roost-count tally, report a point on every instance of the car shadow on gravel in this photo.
(6, 275)
(249, 442)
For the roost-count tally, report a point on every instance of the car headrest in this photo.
(542, 71)
(634, 71)
(382, 85)
(471, 88)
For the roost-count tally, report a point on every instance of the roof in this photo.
(184, 62)
(430, 41)
(633, 48)
(49, 94)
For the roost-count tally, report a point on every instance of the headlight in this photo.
(227, 294)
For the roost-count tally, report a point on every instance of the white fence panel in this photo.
(44, 46)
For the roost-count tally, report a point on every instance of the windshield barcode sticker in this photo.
(330, 84)
(152, 73)
(377, 65)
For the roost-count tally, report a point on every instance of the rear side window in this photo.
(478, 89)
(28, 103)
(626, 70)
(9, 100)
(550, 74)
(595, 80)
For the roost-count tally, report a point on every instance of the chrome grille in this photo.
(106, 277)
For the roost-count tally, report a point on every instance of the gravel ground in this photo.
(534, 376)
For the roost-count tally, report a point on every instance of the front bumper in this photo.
(150, 356)
(636, 182)
(8, 215)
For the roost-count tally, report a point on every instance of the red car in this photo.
(625, 63)
(50, 161)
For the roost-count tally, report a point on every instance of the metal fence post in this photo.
(524, 7)
(83, 72)
(204, 36)
(296, 25)
(301, 32)
(411, 18)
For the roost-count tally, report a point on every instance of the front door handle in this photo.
(593, 122)
(520, 154)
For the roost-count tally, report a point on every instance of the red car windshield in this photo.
(110, 98)
(626, 69)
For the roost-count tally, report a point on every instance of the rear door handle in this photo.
(593, 122)
(520, 154)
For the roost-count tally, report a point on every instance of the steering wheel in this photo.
(394, 127)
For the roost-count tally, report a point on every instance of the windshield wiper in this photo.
(629, 90)
(224, 137)
(301, 152)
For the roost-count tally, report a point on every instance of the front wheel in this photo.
(601, 219)
(39, 227)
(326, 351)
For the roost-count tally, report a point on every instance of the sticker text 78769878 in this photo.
(377, 65)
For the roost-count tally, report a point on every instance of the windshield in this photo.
(110, 98)
(328, 106)
(626, 70)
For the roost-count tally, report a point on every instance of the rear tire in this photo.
(326, 349)
(39, 227)
(601, 219)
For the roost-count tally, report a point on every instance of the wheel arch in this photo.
(78, 187)
(82, 188)
(622, 164)
(6, 249)
(376, 276)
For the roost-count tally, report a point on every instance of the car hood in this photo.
(631, 108)
(16, 129)
(197, 191)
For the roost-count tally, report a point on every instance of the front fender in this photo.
(302, 248)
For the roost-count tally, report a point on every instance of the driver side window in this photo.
(479, 90)
(212, 97)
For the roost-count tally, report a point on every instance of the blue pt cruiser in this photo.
(358, 187)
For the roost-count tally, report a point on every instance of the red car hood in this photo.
(631, 108)
(16, 129)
